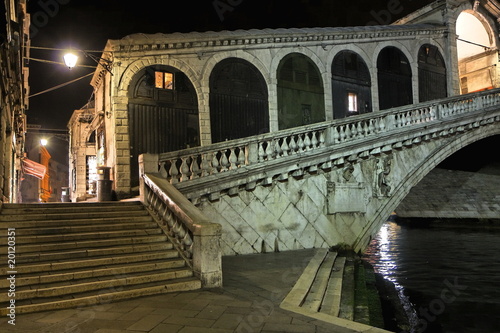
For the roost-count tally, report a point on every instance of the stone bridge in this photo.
(320, 185)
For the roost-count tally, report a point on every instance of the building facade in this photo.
(14, 39)
(167, 92)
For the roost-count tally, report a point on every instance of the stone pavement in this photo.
(254, 286)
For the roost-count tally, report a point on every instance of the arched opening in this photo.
(431, 73)
(477, 54)
(394, 78)
(163, 114)
(300, 92)
(351, 85)
(238, 101)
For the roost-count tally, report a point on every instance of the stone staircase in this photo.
(71, 255)
(339, 288)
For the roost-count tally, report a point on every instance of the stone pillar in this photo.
(207, 255)
(148, 163)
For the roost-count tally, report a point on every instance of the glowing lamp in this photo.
(70, 60)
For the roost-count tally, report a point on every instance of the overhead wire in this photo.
(60, 85)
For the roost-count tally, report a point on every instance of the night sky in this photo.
(88, 24)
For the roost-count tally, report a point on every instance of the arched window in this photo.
(163, 114)
(394, 78)
(238, 101)
(431, 74)
(300, 92)
(351, 84)
(477, 53)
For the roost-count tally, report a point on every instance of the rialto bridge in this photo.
(289, 138)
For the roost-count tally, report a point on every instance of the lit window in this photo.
(164, 80)
(352, 102)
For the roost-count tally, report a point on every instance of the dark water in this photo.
(449, 278)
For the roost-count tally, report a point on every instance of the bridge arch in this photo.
(431, 73)
(394, 78)
(477, 47)
(415, 169)
(238, 100)
(300, 91)
(162, 113)
(351, 85)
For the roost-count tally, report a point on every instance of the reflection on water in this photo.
(447, 278)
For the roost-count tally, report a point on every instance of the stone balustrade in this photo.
(196, 238)
(190, 164)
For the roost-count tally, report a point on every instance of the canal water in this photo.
(447, 278)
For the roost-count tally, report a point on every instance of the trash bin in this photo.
(104, 184)
(65, 194)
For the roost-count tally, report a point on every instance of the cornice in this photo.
(196, 41)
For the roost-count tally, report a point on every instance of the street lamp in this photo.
(70, 60)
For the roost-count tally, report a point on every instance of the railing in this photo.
(189, 164)
(196, 238)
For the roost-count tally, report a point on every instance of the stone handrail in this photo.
(196, 238)
(193, 163)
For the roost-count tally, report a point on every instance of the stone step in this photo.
(57, 276)
(69, 207)
(327, 291)
(86, 253)
(62, 223)
(141, 224)
(70, 255)
(85, 244)
(105, 296)
(22, 240)
(347, 300)
(5, 217)
(314, 298)
(165, 254)
(333, 294)
(52, 290)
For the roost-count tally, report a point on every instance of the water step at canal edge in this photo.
(66, 255)
(335, 287)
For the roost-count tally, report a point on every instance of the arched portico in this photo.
(301, 99)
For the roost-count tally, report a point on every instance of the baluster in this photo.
(184, 169)
(277, 148)
(205, 165)
(241, 156)
(195, 167)
(348, 134)
(381, 125)
(322, 138)
(336, 135)
(293, 145)
(342, 135)
(359, 129)
(232, 159)
(284, 147)
(224, 162)
(269, 150)
(300, 143)
(307, 141)
(314, 140)
(174, 172)
(215, 163)
(262, 153)
(163, 170)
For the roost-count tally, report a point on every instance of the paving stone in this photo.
(147, 323)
